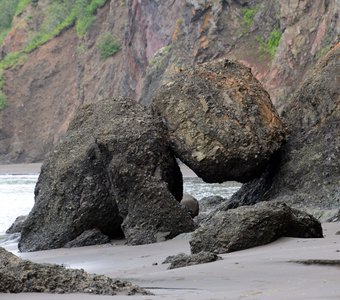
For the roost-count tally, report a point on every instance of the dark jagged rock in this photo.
(250, 226)
(305, 173)
(22, 276)
(211, 202)
(221, 121)
(16, 227)
(89, 238)
(113, 170)
(183, 260)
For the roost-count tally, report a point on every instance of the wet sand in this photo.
(20, 169)
(264, 272)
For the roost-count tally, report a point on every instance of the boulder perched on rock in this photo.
(221, 121)
(183, 260)
(22, 276)
(250, 226)
(306, 172)
(113, 171)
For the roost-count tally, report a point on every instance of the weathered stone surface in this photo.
(221, 121)
(305, 173)
(183, 260)
(17, 225)
(22, 276)
(113, 168)
(191, 204)
(88, 238)
(211, 202)
(250, 226)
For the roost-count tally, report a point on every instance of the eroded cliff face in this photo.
(279, 40)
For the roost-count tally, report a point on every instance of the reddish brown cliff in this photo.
(156, 37)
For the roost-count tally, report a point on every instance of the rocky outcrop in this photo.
(221, 121)
(250, 226)
(22, 276)
(17, 225)
(191, 204)
(305, 174)
(183, 260)
(113, 171)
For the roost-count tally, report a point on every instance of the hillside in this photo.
(57, 55)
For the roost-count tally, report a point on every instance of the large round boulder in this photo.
(114, 172)
(221, 121)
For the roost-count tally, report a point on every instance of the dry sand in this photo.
(259, 273)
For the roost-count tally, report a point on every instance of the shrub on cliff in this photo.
(107, 45)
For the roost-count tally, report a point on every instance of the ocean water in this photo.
(16, 197)
(17, 194)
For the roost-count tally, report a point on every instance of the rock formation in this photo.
(113, 171)
(22, 276)
(17, 225)
(221, 121)
(183, 260)
(250, 226)
(306, 171)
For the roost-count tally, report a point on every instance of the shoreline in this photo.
(266, 272)
(34, 169)
(20, 169)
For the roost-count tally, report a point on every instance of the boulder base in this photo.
(305, 173)
(113, 171)
(250, 226)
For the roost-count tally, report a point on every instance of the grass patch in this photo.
(107, 45)
(273, 41)
(21, 6)
(7, 12)
(62, 15)
(12, 59)
(248, 14)
(2, 101)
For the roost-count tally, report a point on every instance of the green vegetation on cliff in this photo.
(7, 12)
(270, 45)
(248, 15)
(59, 15)
(107, 45)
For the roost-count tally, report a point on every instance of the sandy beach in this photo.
(265, 272)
